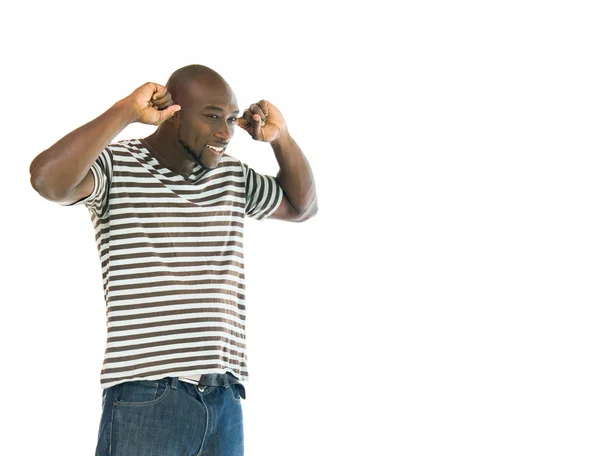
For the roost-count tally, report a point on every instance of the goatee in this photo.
(191, 152)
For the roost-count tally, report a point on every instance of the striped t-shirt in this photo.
(171, 252)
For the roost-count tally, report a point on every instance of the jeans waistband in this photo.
(212, 380)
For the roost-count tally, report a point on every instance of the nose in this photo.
(224, 132)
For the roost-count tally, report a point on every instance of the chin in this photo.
(207, 166)
(212, 164)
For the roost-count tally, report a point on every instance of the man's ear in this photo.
(174, 119)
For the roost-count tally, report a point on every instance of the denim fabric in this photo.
(168, 417)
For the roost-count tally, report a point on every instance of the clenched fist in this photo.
(262, 121)
(152, 104)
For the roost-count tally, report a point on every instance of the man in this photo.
(168, 213)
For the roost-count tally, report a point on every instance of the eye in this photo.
(212, 116)
(232, 119)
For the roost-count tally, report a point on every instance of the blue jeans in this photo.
(168, 417)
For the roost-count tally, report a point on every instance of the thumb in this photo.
(256, 124)
(243, 124)
(168, 113)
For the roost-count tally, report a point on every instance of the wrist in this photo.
(126, 111)
(283, 138)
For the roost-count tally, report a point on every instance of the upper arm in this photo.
(265, 199)
(285, 211)
(263, 194)
(93, 190)
(81, 190)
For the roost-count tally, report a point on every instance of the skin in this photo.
(195, 109)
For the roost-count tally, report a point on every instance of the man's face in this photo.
(207, 121)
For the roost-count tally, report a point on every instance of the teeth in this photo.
(216, 148)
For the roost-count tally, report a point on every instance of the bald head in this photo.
(193, 83)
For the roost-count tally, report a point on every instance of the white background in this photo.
(445, 298)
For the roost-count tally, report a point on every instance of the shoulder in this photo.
(231, 165)
(131, 146)
(229, 160)
(126, 150)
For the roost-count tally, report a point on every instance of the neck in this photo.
(169, 153)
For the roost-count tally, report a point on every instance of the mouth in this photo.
(215, 149)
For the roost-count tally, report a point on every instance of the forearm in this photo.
(295, 175)
(57, 170)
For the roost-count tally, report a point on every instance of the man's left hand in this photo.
(263, 122)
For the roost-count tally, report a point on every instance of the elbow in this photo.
(35, 177)
(40, 184)
(45, 180)
(309, 213)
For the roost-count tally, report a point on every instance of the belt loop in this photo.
(174, 382)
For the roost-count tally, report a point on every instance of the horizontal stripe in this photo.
(157, 320)
(172, 332)
(122, 214)
(126, 362)
(172, 325)
(157, 190)
(175, 245)
(132, 266)
(104, 229)
(204, 300)
(192, 253)
(175, 234)
(154, 283)
(154, 275)
(195, 291)
(178, 345)
(170, 205)
(154, 354)
(115, 346)
(181, 360)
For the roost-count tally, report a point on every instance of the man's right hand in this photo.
(152, 104)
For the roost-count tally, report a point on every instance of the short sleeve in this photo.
(263, 194)
(102, 170)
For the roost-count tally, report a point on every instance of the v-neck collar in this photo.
(198, 171)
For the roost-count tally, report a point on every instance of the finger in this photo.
(161, 100)
(164, 105)
(264, 105)
(159, 92)
(254, 113)
(248, 121)
(255, 109)
(256, 124)
(243, 123)
(167, 113)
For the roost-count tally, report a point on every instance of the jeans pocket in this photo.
(141, 392)
(237, 391)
